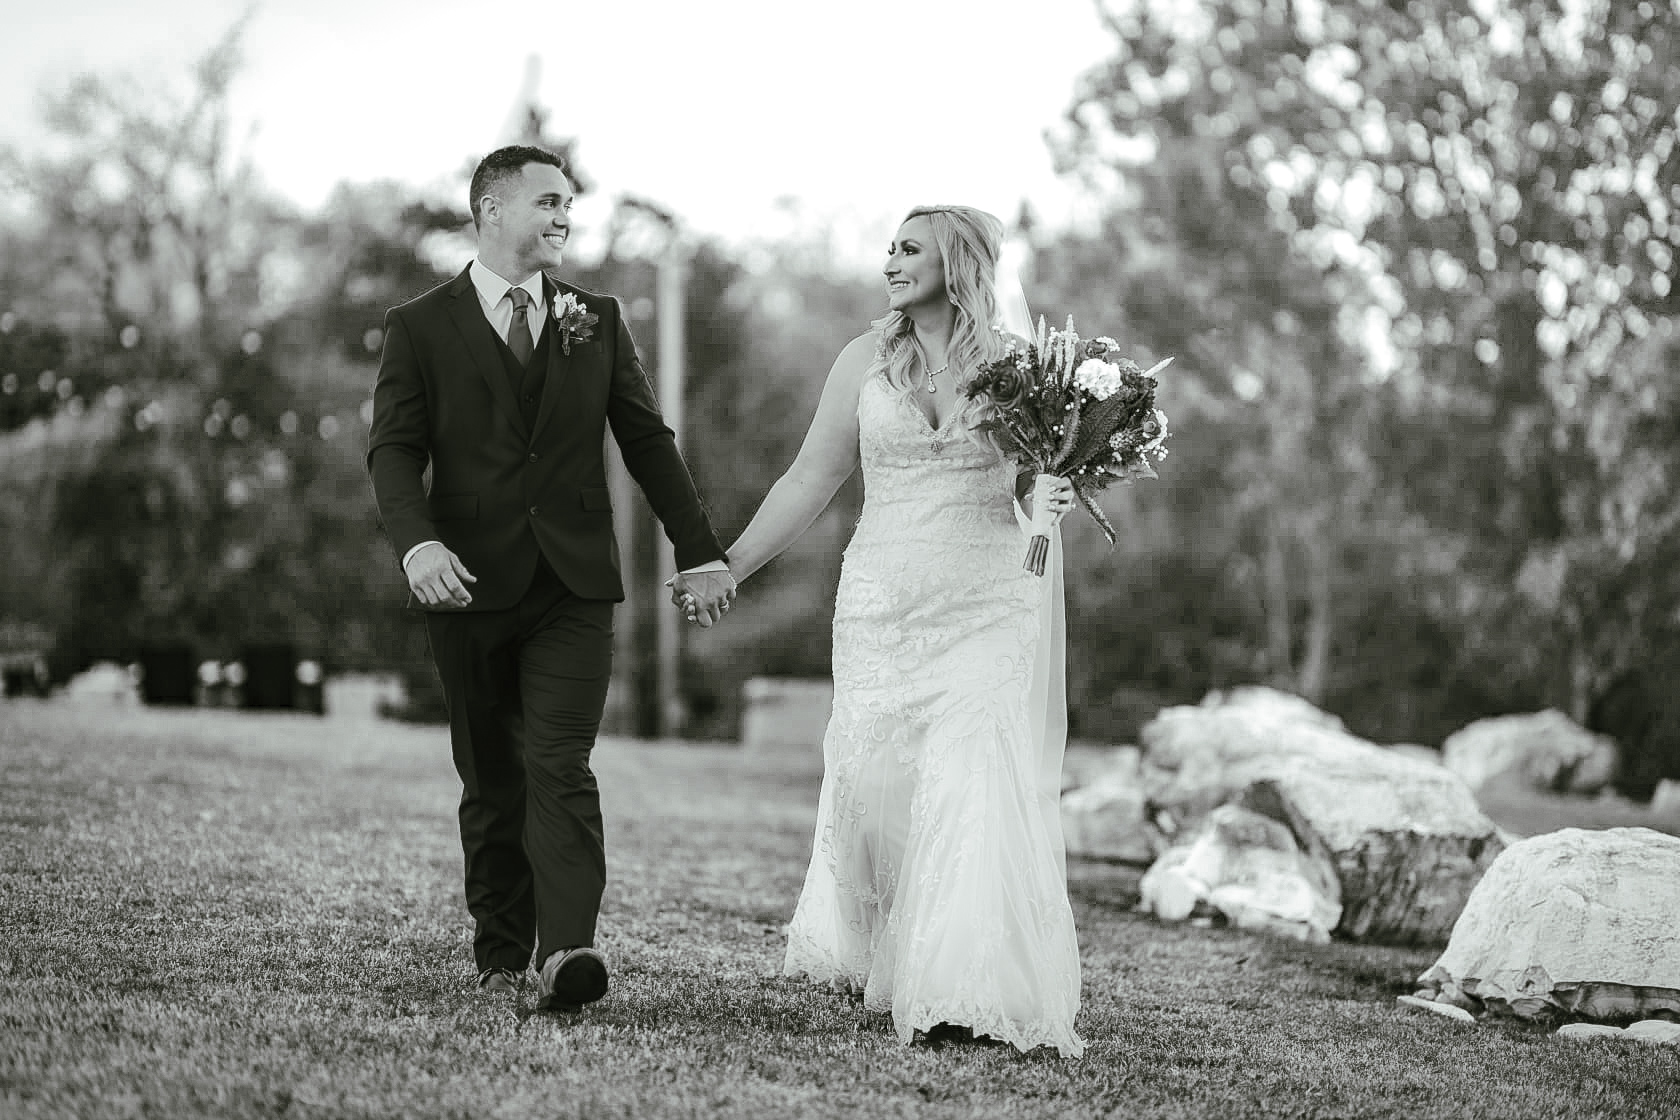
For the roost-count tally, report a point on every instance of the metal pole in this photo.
(673, 374)
(620, 716)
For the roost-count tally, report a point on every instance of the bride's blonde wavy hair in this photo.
(969, 242)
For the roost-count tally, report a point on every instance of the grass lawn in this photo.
(211, 914)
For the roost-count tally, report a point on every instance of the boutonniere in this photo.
(573, 319)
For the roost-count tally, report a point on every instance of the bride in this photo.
(937, 883)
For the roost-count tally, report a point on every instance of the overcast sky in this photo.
(717, 110)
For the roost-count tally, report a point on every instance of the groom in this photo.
(504, 383)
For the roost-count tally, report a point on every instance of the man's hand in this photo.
(438, 578)
(703, 596)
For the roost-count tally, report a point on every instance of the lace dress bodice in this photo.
(933, 557)
(915, 475)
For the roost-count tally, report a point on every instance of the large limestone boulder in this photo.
(1104, 817)
(1550, 750)
(1197, 757)
(1575, 921)
(1249, 868)
(1405, 836)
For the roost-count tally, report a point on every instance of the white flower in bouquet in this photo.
(1099, 378)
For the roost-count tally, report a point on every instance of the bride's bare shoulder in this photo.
(860, 351)
(856, 358)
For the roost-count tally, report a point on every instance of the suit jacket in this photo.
(501, 491)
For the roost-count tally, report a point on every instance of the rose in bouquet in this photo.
(1067, 406)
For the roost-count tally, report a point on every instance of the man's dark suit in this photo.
(519, 493)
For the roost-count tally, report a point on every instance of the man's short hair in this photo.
(505, 163)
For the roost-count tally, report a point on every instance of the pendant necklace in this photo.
(936, 443)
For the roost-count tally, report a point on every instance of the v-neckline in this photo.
(917, 409)
(932, 430)
(928, 424)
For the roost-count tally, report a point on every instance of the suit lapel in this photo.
(468, 315)
(559, 363)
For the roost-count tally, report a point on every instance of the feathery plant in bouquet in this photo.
(1071, 407)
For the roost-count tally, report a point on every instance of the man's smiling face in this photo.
(532, 218)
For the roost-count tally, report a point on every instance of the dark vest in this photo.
(527, 382)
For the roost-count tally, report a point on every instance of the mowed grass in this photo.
(213, 914)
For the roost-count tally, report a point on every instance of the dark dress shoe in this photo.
(941, 1035)
(498, 980)
(572, 978)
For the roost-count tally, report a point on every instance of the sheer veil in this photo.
(1048, 714)
(1014, 315)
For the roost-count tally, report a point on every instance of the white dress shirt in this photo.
(493, 298)
(498, 306)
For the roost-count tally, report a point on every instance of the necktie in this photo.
(519, 331)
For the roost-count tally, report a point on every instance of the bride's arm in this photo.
(826, 459)
(1024, 487)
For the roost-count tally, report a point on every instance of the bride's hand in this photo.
(703, 596)
(1053, 493)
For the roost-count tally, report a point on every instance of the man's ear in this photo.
(490, 209)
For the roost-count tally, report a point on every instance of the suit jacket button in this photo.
(533, 511)
(535, 456)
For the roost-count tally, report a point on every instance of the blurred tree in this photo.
(1531, 151)
(30, 359)
(143, 212)
(187, 468)
(796, 311)
(760, 340)
(1274, 478)
(1458, 213)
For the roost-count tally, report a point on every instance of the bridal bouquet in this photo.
(1073, 407)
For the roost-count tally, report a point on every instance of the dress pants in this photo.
(525, 689)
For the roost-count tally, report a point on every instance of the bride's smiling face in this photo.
(914, 270)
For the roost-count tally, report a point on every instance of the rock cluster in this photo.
(1402, 837)
(1264, 811)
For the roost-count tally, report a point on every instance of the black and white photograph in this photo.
(926, 559)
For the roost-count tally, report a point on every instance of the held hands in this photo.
(703, 596)
(438, 578)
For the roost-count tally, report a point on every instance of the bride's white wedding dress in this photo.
(937, 882)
